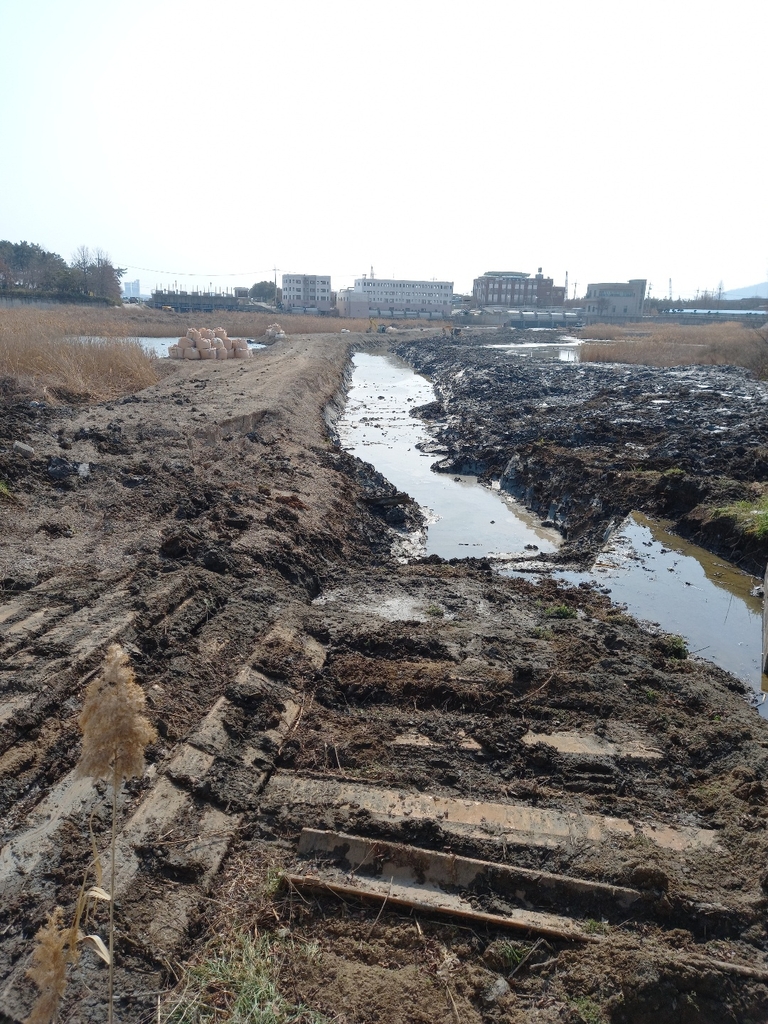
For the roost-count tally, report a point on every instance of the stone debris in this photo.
(23, 449)
(209, 344)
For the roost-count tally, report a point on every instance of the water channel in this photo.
(464, 518)
(658, 576)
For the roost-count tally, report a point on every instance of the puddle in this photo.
(686, 590)
(566, 349)
(464, 518)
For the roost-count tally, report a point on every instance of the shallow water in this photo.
(566, 349)
(159, 346)
(464, 517)
(685, 590)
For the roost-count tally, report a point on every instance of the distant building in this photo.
(131, 289)
(197, 301)
(306, 291)
(615, 298)
(379, 296)
(510, 288)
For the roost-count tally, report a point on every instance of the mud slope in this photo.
(586, 444)
(300, 677)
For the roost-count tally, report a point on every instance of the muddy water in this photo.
(464, 517)
(688, 591)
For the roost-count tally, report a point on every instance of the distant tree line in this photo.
(27, 270)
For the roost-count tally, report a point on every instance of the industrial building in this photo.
(622, 298)
(384, 297)
(199, 302)
(306, 291)
(510, 288)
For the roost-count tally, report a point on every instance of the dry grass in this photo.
(142, 322)
(81, 353)
(720, 344)
(37, 349)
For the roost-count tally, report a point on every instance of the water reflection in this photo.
(464, 518)
(686, 590)
(566, 350)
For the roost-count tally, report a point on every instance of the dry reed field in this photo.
(139, 321)
(721, 344)
(82, 353)
(38, 351)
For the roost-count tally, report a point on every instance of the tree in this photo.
(94, 274)
(29, 266)
(264, 291)
(81, 265)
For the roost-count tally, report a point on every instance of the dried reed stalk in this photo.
(719, 344)
(115, 734)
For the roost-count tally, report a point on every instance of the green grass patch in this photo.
(751, 516)
(588, 1010)
(5, 492)
(673, 646)
(504, 954)
(236, 981)
(560, 611)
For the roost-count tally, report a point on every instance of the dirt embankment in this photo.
(583, 445)
(299, 677)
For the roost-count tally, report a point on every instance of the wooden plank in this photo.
(429, 903)
(420, 868)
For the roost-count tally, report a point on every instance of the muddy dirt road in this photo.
(301, 678)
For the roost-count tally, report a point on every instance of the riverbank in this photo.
(300, 677)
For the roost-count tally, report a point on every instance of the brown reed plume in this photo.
(49, 968)
(115, 731)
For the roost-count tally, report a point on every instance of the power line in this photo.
(192, 273)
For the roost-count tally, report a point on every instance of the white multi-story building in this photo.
(378, 296)
(306, 291)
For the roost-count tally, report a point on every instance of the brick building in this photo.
(509, 288)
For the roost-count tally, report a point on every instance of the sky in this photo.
(209, 143)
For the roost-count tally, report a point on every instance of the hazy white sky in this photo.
(427, 138)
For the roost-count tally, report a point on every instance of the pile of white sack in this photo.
(208, 344)
(275, 331)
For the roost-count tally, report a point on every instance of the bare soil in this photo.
(209, 524)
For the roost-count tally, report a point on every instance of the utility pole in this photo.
(275, 270)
